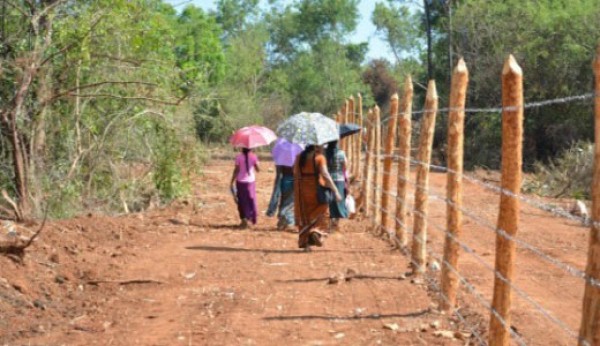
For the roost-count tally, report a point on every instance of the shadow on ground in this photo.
(347, 318)
(355, 277)
(279, 251)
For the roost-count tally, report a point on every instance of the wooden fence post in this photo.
(377, 176)
(368, 167)
(456, 125)
(358, 151)
(590, 320)
(419, 245)
(390, 144)
(350, 144)
(508, 218)
(344, 142)
(404, 134)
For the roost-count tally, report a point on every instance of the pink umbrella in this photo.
(252, 137)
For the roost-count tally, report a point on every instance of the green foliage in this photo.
(313, 64)
(170, 176)
(210, 122)
(123, 89)
(233, 15)
(108, 101)
(553, 43)
(398, 26)
(198, 48)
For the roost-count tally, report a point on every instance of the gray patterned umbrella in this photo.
(309, 128)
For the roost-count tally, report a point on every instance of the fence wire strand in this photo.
(489, 226)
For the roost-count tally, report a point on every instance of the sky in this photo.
(365, 31)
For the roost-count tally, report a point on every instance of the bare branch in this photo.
(176, 102)
(35, 235)
(13, 204)
(19, 9)
(94, 85)
(50, 7)
(75, 42)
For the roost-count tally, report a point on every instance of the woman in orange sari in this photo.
(312, 217)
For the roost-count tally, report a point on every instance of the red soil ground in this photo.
(209, 283)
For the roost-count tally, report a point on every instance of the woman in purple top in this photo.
(243, 180)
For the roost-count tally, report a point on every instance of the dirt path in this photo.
(213, 284)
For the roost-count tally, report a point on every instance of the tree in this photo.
(308, 46)
(199, 50)
(379, 78)
(233, 15)
(398, 27)
(553, 43)
(94, 78)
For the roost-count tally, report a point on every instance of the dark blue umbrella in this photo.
(349, 129)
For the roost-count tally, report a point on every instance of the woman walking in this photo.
(336, 164)
(282, 198)
(311, 216)
(243, 181)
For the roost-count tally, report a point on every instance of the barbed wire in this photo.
(489, 226)
(468, 285)
(557, 211)
(554, 210)
(498, 109)
(548, 315)
(455, 310)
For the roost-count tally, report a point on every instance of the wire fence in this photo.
(473, 253)
(586, 98)
(380, 212)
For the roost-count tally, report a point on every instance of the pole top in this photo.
(394, 97)
(376, 109)
(351, 98)
(431, 91)
(359, 96)
(511, 66)
(461, 67)
(408, 83)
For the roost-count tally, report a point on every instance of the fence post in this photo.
(390, 144)
(377, 176)
(456, 125)
(419, 245)
(404, 134)
(368, 167)
(358, 151)
(350, 139)
(508, 218)
(590, 320)
(344, 142)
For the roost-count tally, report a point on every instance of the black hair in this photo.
(307, 150)
(245, 151)
(332, 148)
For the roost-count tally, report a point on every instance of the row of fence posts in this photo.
(352, 145)
(376, 200)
